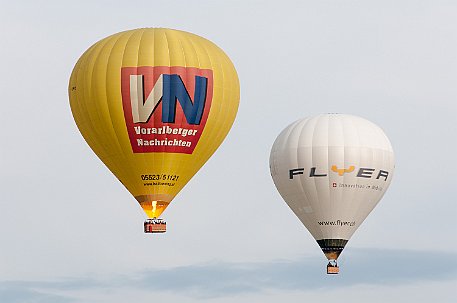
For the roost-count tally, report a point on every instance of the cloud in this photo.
(361, 266)
(27, 292)
(220, 279)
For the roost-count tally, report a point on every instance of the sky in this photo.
(70, 232)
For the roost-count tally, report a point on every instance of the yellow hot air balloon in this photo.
(154, 104)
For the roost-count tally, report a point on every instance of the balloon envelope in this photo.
(154, 104)
(332, 170)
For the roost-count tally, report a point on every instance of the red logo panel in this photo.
(143, 89)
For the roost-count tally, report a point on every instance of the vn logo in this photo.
(169, 89)
(166, 108)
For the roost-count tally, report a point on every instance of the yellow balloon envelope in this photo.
(154, 104)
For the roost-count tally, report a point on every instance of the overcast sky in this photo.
(70, 232)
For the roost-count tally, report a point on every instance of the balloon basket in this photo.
(332, 268)
(155, 226)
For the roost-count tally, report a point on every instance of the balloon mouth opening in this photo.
(332, 256)
(332, 248)
(154, 208)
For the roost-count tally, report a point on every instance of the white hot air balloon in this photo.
(332, 170)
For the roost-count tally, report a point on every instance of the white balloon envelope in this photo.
(332, 170)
